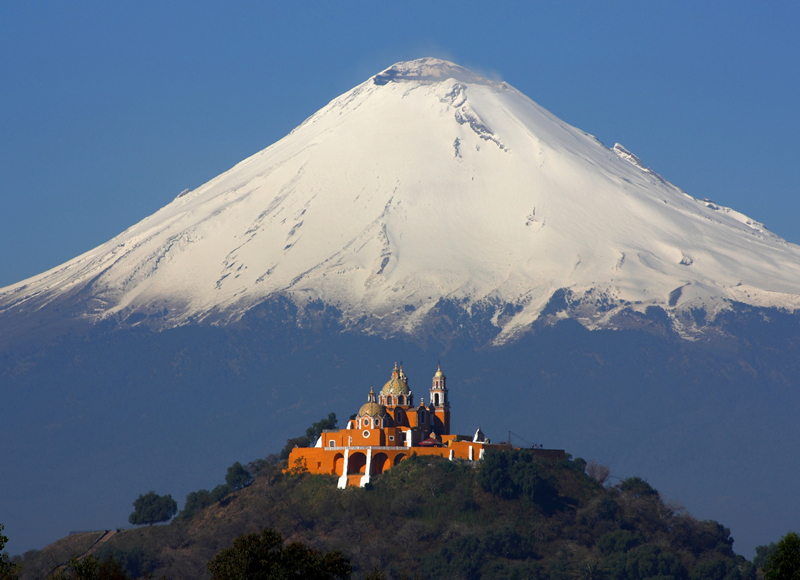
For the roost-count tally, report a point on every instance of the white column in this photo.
(343, 478)
(480, 455)
(471, 454)
(368, 469)
(452, 454)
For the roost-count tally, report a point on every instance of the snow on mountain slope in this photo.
(428, 181)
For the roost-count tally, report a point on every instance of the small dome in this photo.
(371, 409)
(439, 372)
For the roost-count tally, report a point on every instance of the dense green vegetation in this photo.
(784, 561)
(511, 516)
(265, 556)
(90, 568)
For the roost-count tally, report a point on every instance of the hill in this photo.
(510, 516)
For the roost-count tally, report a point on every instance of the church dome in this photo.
(397, 385)
(371, 409)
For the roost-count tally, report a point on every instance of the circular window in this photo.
(365, 434)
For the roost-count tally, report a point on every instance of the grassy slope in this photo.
(433, 518)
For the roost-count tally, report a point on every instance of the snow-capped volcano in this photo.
(428, 181)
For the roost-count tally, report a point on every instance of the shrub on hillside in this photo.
(90, 568)
(637, 487)
(266, 556)
(238, 477)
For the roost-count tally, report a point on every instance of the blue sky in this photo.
(109, 109)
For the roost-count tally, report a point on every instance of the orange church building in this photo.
(387, 429)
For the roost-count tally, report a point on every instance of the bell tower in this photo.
(440, 404)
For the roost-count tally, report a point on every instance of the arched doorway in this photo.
(338, 464)
(356, 463)
(399, 458)
(379, 462)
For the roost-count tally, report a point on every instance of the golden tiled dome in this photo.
(397, 385)
(371, 409)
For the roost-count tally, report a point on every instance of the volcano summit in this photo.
(429, 183)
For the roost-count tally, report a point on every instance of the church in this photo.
(388, 428)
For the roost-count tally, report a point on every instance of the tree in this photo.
(313, 432)
(764, 553)
(8, 570)
(784, 563)
(195, 501)
(238, 477)
(301, 441)
(598, 471)
(152, 508)
(264, 556)
(266, 468)
(311, 436)
(638, 487)
(201, 499)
